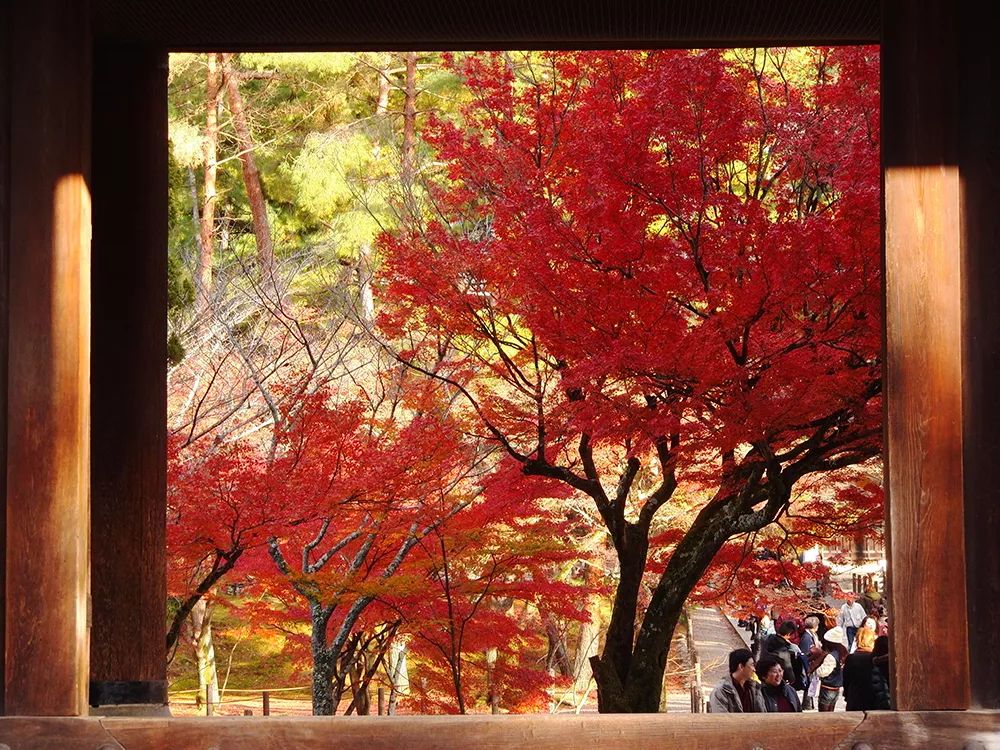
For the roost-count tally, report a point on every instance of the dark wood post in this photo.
(48, 428)
(6, 18)
(926, 335)
(979, 156)
(128, 377)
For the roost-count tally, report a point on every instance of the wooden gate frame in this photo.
(83, 398)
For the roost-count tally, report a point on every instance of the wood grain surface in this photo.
(884, 730)
(925, 337)
(48, 429)
(128, 380)
(980, 167)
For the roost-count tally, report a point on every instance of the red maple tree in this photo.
(653, 270)
(368, 479)
(226, 498)
(483, 584)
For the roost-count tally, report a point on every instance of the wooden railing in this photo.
(696, 687)
(886, 730)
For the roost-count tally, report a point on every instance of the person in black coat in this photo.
(880, 674)
(780, 647)
(858, 681)
(866, 678)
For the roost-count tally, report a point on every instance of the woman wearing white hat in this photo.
(831, 669)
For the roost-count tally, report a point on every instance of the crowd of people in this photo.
(817, 654)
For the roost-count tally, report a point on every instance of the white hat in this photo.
(836, 635)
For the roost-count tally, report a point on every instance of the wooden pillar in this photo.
(6, 17)
(128, 377)
(979, 156)
(926, 339)
(48, 427)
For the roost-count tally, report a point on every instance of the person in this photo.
(866, 635)
(752, 625)
(779, 696)
(812, 654)
(866, 677)
(738, 693)
(831, 670)
(880, 675)
(850, 617)
(780, 647)
(858, 684)
(882, 621)
(764, 631)
(870, 600)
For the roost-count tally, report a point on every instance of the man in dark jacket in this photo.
(780, 647)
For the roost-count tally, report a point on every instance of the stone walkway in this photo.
(714, 638)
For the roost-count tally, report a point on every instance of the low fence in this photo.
(698, 702)
(290, 701)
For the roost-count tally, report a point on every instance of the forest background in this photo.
(482, 366)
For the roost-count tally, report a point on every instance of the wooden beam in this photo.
(128, 377)
(455, 24)
(880, 729)
(545, 732)
(49, 347)
(980, 169)
(5, 24)
(925, 338)
(900, 730)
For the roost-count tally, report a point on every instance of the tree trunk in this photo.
(557, 659)
(192, 182)
(325, 692)
(359, 686)
(365, 294)
(587, 643)
(621, 630)
(639, 691)
(251, 175)
(219, 569)
(398, 674)
(210, 147)
(409, 152)
(324, 703)
(204, 649)
(384, 87)
(492, 696)
(455, 663)
(409, 129)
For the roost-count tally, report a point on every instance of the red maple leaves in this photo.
(662, 268)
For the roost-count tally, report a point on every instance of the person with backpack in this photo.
(831, 669)
(812, 655)
(780, 647)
